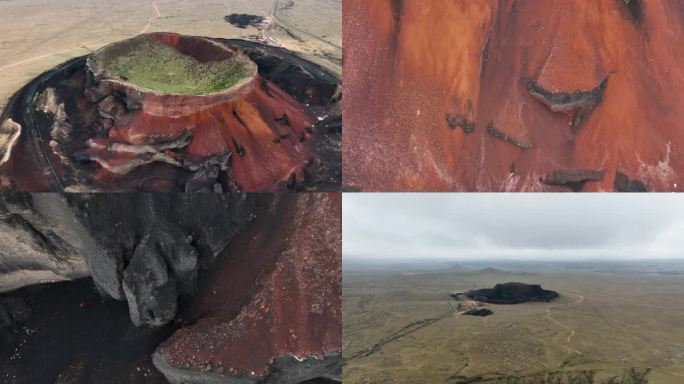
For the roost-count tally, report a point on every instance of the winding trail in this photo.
(152, 18)
(572, 333)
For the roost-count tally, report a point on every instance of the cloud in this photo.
(513, 226)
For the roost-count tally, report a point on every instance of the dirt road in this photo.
(152, 18)
(407, 330)
(572, 332)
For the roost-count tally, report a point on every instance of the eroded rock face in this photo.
(143, 248)
(503, 95)
(512, 293)
(281, 321)
(37, 246)
(149, 289)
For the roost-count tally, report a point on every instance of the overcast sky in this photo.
(513, 226)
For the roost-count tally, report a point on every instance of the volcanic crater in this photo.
(512, 293)
(167, 112)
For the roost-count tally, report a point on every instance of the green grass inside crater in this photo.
(157, 67)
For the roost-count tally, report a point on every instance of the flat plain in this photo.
(611, 324)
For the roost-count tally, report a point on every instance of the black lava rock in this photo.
(512, 293)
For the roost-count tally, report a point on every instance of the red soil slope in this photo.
(513, 95)
(102, 133)
(284, 285)
(255, 123)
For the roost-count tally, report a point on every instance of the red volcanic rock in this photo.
(271, 311)
(233, 115)
(253, 128)
(513, 95)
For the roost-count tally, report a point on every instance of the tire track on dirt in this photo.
(572, 333)
(152, 18)
(407, 330)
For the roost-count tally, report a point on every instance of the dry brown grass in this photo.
(623, 326)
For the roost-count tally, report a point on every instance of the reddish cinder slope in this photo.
(274, 301)
(255, 127)
(513, 95)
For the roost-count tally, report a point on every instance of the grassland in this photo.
(157, 67)
(607, 328)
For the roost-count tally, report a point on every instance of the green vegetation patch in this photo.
(157, 67)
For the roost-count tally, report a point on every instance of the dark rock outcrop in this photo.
(145, 249)
(150, 291)
(481, 312)
(624, 184)
(512, 293)
(575, 180)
